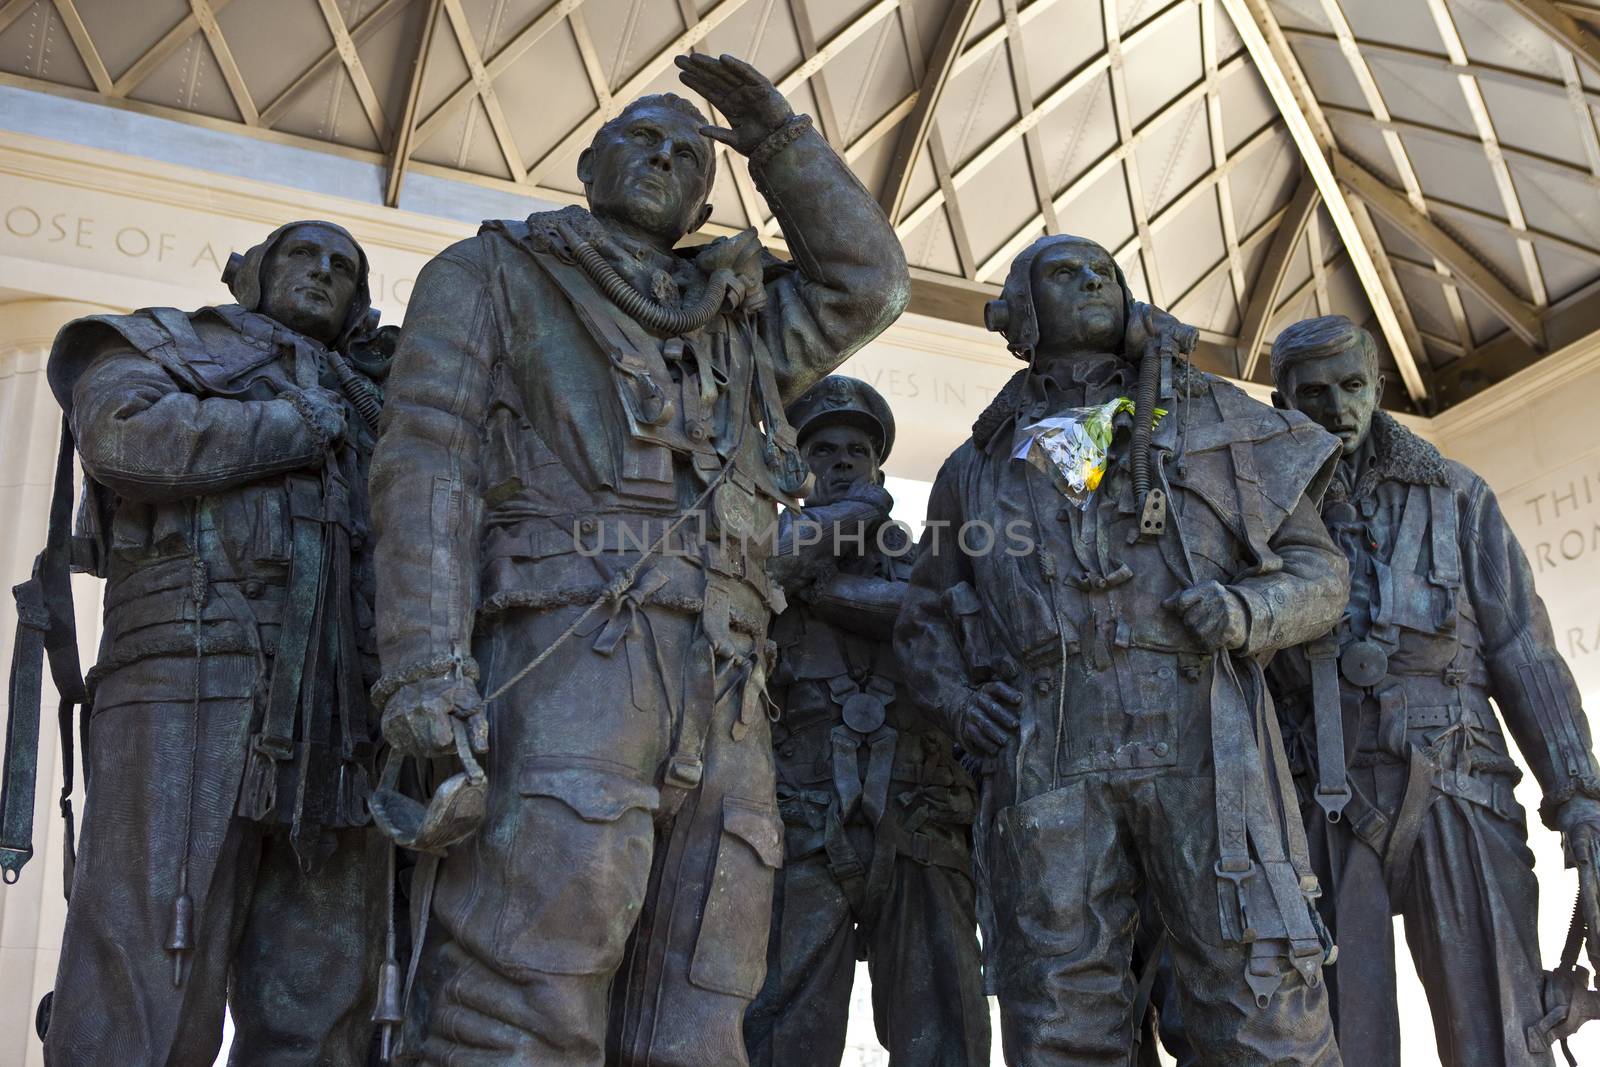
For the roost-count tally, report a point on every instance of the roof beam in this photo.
(1202, 185)
(206, 16)
(1295, 102)
(1580, 108)
(85, 46)
(11, 10)
(1572, 248)
(1399, 156)
(497, 64)
(370, 23)
(1087, 177)
(1130, 162)
(485, 88)
(1247, 244)
(966, 262)
(584, 132)
(1080, 79)
(405, 132)
(1219, 150)
(1573, 318)
(579, 26)
(1563, 29)
(917, 126)
(1484, 124)
(824, 55)
(1269, 283)
(1467, 269)
(1548, 164)
(1319, 265)
(156, 54)
(1022, 92)
(827, 118)
(344, 46)
(1433, 61)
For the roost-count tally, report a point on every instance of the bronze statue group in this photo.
(584, 591)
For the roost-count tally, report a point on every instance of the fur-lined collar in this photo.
(1186, 381)
(1398, 455)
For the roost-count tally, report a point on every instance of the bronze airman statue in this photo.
(226, 857)
(877, 808)
(583, 458)
(1392, 734)
(1106, 561)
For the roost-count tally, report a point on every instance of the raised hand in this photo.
(751, 103)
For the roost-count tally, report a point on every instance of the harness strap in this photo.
(46, 627)
(273, 743)
(1229, 741)
(1414, 804)
(1333, 786)
(1446, 570)
(1402, 565)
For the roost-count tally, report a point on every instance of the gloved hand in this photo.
(417, 721)
(988, 718)
(1213, 613)
(738, 258)
(324, 410)
(1579, 823)
(1148, 323)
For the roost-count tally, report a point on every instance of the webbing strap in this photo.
(1333, 786)
(1414, 804)
(46, 627)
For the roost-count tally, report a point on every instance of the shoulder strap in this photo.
(46, 627)
(1446, 546)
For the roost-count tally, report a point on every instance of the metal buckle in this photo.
(1239, 878)
(1332, 802)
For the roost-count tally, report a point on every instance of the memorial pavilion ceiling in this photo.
(1429, 167)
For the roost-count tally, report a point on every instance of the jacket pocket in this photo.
(580, 862)
(730, 952)
(1040, 875)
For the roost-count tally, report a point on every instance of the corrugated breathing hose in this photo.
(641, 308)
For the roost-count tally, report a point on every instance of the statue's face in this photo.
(1338, 392)
(649, 172)
(842, 456)
(309, 280)
(1076, 298)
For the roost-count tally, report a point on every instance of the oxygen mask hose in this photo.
(636, 305)
(1144, 414)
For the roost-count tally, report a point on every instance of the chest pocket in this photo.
(1410, 597)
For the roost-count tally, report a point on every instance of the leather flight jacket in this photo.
(1443, 617)
(245, 539)
(582, 435)
(1110, 680)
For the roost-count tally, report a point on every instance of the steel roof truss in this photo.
(1269, 282)
(1464, 265)
(1286, 84)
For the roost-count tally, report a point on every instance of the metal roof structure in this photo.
(1429, 167)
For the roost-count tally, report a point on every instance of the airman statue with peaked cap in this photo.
(877, 809)
(575, 494)
(1139, 536)
(1405, 770)
(227, 860)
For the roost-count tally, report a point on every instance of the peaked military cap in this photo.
(839, 398)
